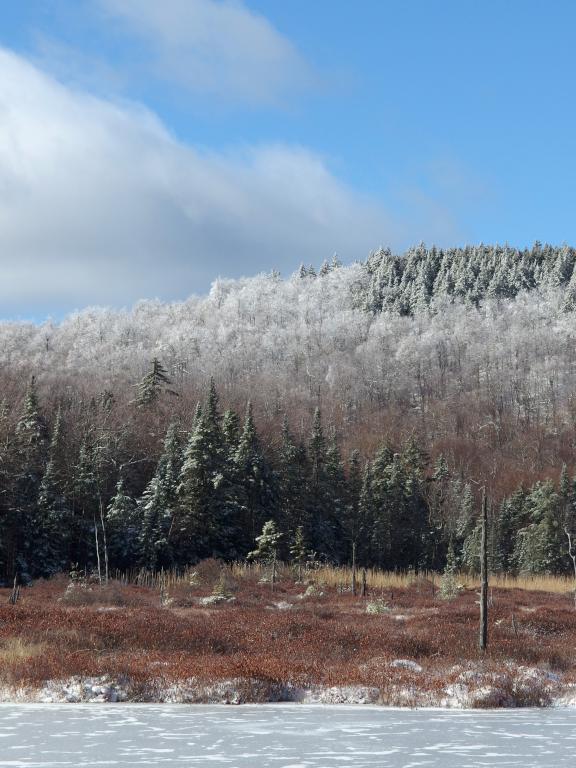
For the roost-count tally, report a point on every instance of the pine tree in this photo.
(31, 456)
(352, 522)
(266, 551)
(53, 515)
(320, 494)
(267, 543)
(541, 545)
(299, 552)
(31, 428)
(376, 503)
(231, 431)
(448, 586)
(292, 471)
(336, 499)
(85, 530)
(367, 515)
(152, 385)
(255, 483)
(122, 529)
(204, 524)
(156, 507)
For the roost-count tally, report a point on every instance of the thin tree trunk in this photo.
(97, 550)
(15, 594)
(572, 554)
(354, 568)
(104, 541)
(483, 638)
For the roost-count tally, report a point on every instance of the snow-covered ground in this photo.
(469, 686)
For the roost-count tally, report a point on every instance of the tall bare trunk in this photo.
(104, 541)
(483, 638)
(572, 554)
(96, 542)
(354, 568)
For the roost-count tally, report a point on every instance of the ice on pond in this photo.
(281, 736)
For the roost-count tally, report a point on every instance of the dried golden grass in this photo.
(333, 576)
(16, 649)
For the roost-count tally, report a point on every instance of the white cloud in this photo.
(99, 203)
(217, 47)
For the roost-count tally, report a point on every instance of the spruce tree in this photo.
(30, 463)
(53, 514)
(320, 493)
(204, 524)
(266, 551)
(122, 529)
(299, 552)
(231, 431)
(368, 515)
(292, 471)
(541, 545)
(152, 385)
(377, 499)
(255, 482)
(156, 507)
(85, 529)
(267, 543)
(352, 523)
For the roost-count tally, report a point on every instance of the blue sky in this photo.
(148, 147)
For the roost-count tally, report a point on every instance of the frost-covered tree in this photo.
(323, 492)
(205, 522)
(53, 513)
(267, 544)
(25, 550)
(122, 529)
(541, 544)
(157, 505)
(254, 482)
(152, 385)
(299, 552)
(292, 470)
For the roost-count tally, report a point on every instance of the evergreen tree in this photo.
(204, 525)
(122, 529)
(352, 523)
(156, 507)
(292, 471)
(448, 586)
(541, 545)
(267, 543)
(231, 431)
(152, 385)
(53, 515)
(368, 514)
(85, 527)
(385, 482)
(25, 551)
(322, 525)
(266, 551)
(299, 552)
(255, 483)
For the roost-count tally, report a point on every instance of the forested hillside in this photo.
(363, 405)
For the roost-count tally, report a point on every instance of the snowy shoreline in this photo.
(473, 689)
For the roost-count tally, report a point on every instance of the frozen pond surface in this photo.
(282, 736)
